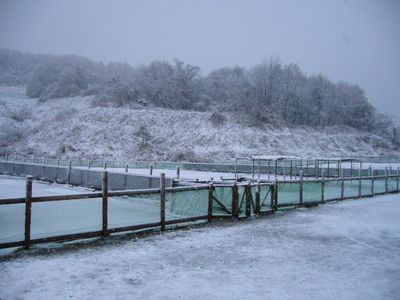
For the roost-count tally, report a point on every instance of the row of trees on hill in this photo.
(268, 92)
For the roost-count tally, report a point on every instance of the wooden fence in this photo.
(245, 200)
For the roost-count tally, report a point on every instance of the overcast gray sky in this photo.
(353, 40)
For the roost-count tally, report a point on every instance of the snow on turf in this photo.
(346, 250)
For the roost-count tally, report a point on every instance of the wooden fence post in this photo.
(342, 186)
(386, 180)
(235, 200)
(301, 187)
(323, 186)
(258, 199)
(372, 182)
(162, 198)
(28, 211)
(105, 204)
(248, 199)
(210, 201)
(69, 171)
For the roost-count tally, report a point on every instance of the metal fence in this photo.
(82, 177)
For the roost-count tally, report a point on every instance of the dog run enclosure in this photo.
(118, 208)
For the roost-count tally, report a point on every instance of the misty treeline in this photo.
(268, 93)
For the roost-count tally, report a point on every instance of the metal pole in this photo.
(342, 187)
(28, 211)
(104, 232)
(323, 186)
(162, 198)
(301, 188)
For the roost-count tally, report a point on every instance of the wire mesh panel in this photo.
(186, 204)
(62, 175)
(12, 222)
(65, 217)
(242, 200)
(379, 185)
(265, 198)
(76, 177)
(392, 184)
(312, 191)
(50, 173)
(116, 181)
(366, 187)
(133, 210)
(288, 193)
(94, 179)
(332, 189)
(224, 196)
(351, 188)
(20, 169)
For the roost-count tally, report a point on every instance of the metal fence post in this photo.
(342, 187)
(397, 183)
(151, 169)
(105, 165)
(28, 211)
(301, 187)
(126, 168)
(105, 204)
(210, 201)
(69, 171)
(89, 164)
(291, 169)
(178, 172)
(162, 198)
(386, 180)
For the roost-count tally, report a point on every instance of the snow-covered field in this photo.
(71, 127)
(347, 250)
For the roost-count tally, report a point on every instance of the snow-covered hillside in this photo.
(73, 127)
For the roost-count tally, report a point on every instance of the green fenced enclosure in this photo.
(32, 220)
(290, 169)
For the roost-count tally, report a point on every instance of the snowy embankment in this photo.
(347, 250)
(71, 127)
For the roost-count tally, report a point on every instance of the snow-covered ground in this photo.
(347, 250)
(72, 127)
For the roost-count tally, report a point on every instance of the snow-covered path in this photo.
(348, 250)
